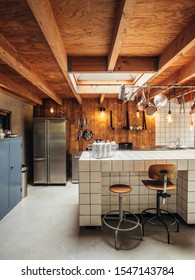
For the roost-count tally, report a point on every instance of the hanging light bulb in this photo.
(169, 117)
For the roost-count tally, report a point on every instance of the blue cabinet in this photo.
(10, 174)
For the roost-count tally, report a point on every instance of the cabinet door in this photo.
(4, 177)
(15, 171)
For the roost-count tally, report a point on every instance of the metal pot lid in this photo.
(87, 135)
(160, 100)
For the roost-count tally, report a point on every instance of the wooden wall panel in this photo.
(100, 125)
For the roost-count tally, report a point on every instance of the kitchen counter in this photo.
(130, 167)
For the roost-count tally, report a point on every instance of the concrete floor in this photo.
(44, 226)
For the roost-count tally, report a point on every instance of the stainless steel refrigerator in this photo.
(50, 146)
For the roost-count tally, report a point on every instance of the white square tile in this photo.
(105, 190)
(115, 180)
(105, 181)
(191, 186)
(182, 164)
(96, 198)
(191, 218)
(95, 165)
(84, 165)
(84, 198)
(134, 199)
(84, 188)
(95, 176)
(117, 165)
(191, 197)
(124, 180)
(96, 188)
(191, 175)
(83, 177)
(134, 180)
(191, 164)
(105, 199)
(106, 165)
(84, 221)
(191, 208)
(84, 209)
(128, 165)
(139, 165)
(96, 220)
(96, 210)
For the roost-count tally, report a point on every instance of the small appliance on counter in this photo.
(125, 146)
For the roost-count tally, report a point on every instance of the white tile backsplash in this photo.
(166, 133)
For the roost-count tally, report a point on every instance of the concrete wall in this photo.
(21, 124)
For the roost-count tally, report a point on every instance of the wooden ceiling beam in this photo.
(137, 64)
(19, 89)
(16, 96)
(10, 56)
(124, 16)
(124, 64)
(44, 15)
(179, 46)
(183, 43)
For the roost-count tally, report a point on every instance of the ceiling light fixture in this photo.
(102, 109)
(51, 110)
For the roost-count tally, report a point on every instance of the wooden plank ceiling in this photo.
(43, 41)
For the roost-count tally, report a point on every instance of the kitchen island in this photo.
(130, 167)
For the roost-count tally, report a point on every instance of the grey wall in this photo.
(22, 119)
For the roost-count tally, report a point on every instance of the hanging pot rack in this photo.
(133, 90)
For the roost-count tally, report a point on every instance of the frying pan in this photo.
(87, 135)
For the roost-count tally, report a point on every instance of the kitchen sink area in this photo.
(160, 148)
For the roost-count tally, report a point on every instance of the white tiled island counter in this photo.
(130, 167)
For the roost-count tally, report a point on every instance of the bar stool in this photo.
(159, 180)
(120, 215)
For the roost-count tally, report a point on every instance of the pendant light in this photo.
(169, 117)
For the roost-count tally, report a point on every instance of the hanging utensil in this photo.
(144, 125)
(182, 104)
(142, 102)
(176, 96)
(127, 121)
(111, 127)
(150, 108)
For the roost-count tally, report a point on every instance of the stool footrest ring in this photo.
(159, 215)
(134, 222)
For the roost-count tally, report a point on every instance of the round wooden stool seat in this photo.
(120, 188)
(121, 220)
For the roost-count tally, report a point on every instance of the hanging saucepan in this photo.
(150, 108)
(87, 135)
